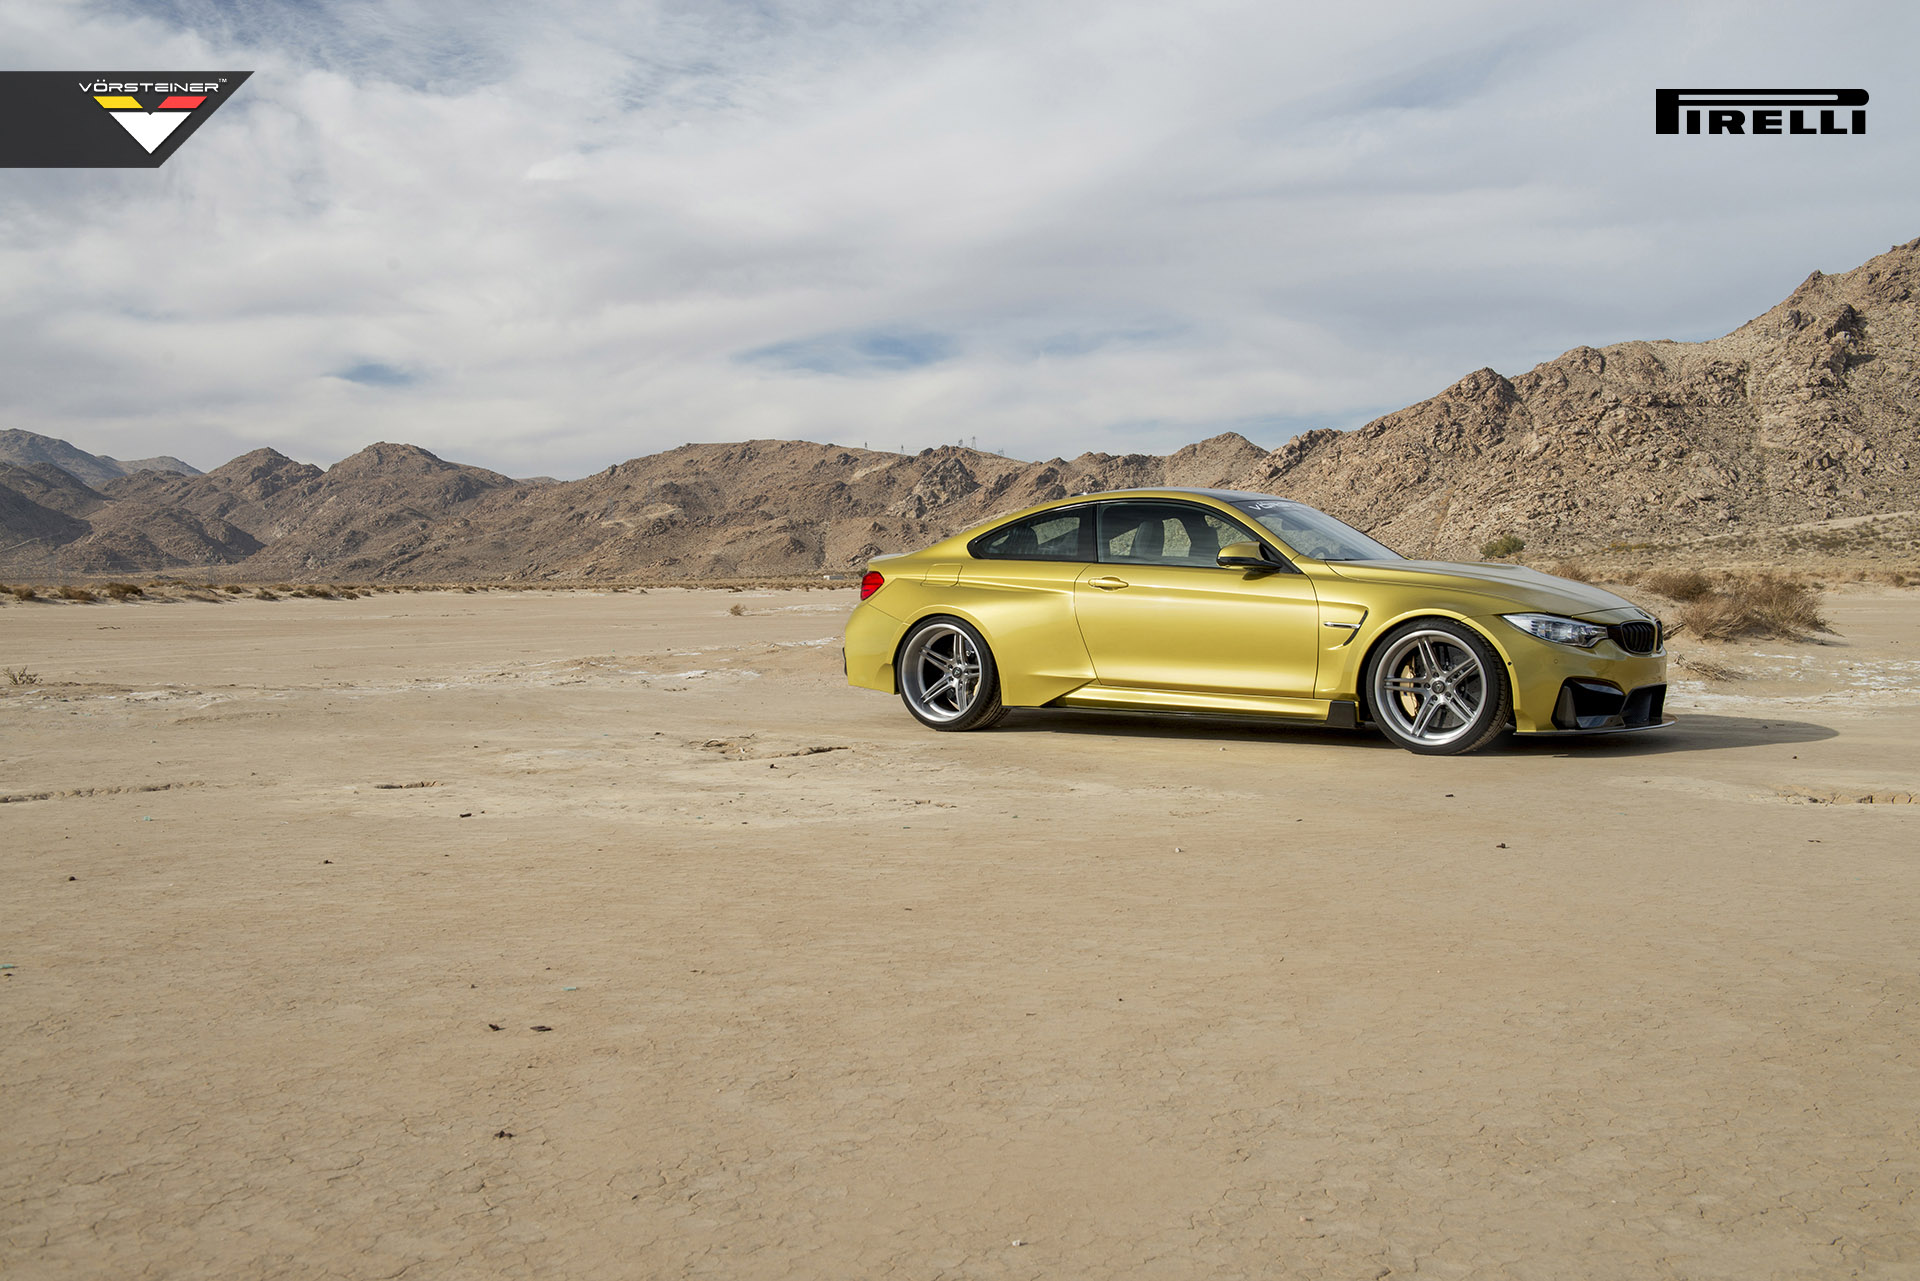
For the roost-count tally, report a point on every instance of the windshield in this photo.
(1313, 533)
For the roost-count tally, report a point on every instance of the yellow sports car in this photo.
(1213, 600)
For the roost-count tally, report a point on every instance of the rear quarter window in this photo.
(1054, 535)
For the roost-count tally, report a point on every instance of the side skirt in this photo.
(1337, 713)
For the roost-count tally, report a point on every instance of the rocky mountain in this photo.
(365, 516)
(791, 507)
(25, 448)
(1798, 425)
(1807, 413)
(41, 503)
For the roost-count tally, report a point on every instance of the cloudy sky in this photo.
(544, 238)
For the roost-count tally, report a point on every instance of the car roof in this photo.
(1222, 495)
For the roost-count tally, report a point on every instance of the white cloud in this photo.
(544, 238)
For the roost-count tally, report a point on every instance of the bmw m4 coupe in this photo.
(1218, 601)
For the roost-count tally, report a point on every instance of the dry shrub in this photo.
(1678, 584)
(20, 676)
(1711, 617)
(737, 610)
(120, 591)
(1781, 603)
(80, 594)
(1576, 570)
(25, 593)
(1763, 605)
(1502, 547)
(266, 593)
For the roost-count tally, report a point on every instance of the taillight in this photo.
(871, 583)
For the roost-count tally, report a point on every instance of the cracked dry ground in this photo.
(1081, 997)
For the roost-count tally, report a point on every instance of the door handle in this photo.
(1107, 583)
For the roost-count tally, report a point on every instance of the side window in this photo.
(1054, 535)
(1150, 533)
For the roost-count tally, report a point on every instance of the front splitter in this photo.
(1590, 733)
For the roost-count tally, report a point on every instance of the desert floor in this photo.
(610, 936)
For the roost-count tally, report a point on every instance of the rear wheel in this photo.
(1438, 688)
(947, 676)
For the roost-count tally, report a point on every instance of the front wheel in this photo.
(947, 676)
(1438, 688)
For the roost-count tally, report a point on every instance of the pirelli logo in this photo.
(1756, 111)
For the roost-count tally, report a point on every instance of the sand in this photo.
(612, 936)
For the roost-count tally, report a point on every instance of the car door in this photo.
(1157, 612)
(1019, 586)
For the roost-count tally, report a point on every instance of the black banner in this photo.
(105, 119)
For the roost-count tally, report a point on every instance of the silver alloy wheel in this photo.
(1431, 687)
(940, 672)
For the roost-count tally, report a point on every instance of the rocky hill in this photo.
(25, 448)
(1798, 425)
(268, 516)
(1807, 413)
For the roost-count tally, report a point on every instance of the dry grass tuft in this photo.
(24, 592)
(1678, 584)
(81, 594)
(1576, 570)
(737, 610)
(20, 676)
(1708, 670)
(121, 591)
(1763, 605)
(266, 593)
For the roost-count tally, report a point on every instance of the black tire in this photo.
(1437, 687)
(947, 677)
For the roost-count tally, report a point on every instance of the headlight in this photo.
(1552, 627)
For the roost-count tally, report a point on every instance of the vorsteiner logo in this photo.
(105, 120)
(1746, 111)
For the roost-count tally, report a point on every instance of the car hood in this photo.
(1508, 584)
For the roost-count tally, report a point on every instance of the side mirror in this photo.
(1246, 556)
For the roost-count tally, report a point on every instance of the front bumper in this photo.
(1558, 689)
